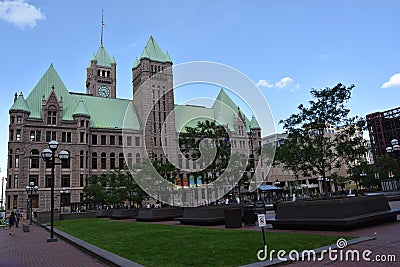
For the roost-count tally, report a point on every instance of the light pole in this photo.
(62, 192)
(30, 189)
(48, 155)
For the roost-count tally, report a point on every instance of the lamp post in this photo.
(62, 192)
(30, 189)
(394, 151)
(48, 155)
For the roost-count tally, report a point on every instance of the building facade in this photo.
(91, 127)
(383, 127)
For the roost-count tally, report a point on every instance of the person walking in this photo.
(11, 222)
(18, 217)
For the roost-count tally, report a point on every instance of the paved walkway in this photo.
(30, 249)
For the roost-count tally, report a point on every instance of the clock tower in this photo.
(101, 75)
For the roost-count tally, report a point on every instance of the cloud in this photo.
(286, 81)
(393, 81)
(282, 83)
(20, 13)
(264, 83)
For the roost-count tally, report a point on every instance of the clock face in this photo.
(104, 91)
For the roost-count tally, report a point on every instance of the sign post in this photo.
(262, 223)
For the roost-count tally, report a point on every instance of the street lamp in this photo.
(394, 150)
(30, 189)
(48, 155)
(62, 192)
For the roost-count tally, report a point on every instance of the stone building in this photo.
(90, 126)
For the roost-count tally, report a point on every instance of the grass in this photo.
(165, 245)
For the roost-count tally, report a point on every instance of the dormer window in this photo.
(52, 116)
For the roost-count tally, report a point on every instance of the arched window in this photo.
(121, 160)
(94, 160)
(112, 161)
(52, 115)
(129, 159)
(66, 163)
(137, 157)
(103, 161)
(34, 159)
(98, 73)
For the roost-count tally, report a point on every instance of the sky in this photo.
(286, 47)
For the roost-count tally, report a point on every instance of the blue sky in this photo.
(285, 47)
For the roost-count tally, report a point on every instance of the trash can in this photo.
(233, 218)
(249, 215)
(25, 227)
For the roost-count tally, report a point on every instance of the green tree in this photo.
(311, 146)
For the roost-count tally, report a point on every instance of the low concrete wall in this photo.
(79, 215)
(159, 214)
(207, 215)
(45, 216)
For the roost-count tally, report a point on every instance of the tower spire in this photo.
(102, 27)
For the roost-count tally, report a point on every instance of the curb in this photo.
(277, 262)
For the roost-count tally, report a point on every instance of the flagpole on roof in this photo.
(102, 27)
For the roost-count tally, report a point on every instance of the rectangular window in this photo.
(18, 135)
(65, 180)
(129, 140)
(11, 134)
(120, 140)
(15, 180)
(103, 139)
(81, 180)
(94, 139)
(52, 117)
(82, 123)
(35, 136)
(51, 136)
(16, 161)
(82, 137)
(66, 137)
(15, 201)
(137, 141)
(112, 140)
(34, 179)
(10, 161)
(19, 119)
(48, 181)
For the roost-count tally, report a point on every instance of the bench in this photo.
(207, 215)
(159, 214)
(334, 214)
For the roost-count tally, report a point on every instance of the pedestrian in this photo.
(11, 222)
(18, 217)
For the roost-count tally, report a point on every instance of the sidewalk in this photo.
(30, 249)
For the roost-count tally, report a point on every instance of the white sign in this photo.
(261, 220)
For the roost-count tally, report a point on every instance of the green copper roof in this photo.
(103, 112)
(136, 63)
(81, 109)
(153, 52)
(187, 115)
(102, 57)
(226, 110)
(254, 123)
(20, 104)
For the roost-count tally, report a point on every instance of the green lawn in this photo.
(164, 245)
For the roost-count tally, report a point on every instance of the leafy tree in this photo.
(387, 165)
(311, 147)
(189, 143)
(112, 189)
